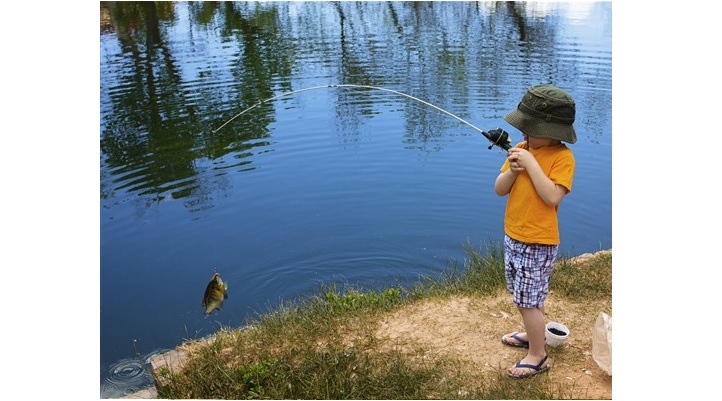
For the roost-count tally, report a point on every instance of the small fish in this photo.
(215, 294)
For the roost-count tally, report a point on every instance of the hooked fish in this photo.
(215, 294)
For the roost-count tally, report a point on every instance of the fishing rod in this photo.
(497, 137)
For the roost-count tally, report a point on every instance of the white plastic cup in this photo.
(556, 334)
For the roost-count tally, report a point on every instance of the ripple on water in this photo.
(126, 377)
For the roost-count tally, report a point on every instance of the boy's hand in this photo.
(519, 159)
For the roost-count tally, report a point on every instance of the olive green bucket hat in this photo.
(545, 111)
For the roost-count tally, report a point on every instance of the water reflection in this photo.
(161, 90)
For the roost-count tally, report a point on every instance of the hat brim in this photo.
(538, 128)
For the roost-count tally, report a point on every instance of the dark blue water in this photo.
(353, 186)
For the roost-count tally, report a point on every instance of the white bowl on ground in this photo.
(556, 334)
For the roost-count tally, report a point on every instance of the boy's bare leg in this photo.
(535, 333)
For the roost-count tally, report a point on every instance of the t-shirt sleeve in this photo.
(563, 171)
(505, 166)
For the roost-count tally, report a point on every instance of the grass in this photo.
(323, 346)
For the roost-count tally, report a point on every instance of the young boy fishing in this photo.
(536, 175)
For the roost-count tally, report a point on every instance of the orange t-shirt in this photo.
(527, 218)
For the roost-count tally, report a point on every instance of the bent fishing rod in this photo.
(497, 137)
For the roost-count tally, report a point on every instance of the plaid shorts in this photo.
(528, 268)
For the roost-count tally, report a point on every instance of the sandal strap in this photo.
(530, 366)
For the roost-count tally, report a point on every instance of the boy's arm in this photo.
(504, 181)
(551, 193)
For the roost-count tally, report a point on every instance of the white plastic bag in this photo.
(602, 342)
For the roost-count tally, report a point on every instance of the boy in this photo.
(537, 174)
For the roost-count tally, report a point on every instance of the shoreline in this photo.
(173, 360)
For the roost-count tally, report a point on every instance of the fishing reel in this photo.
(498, 137)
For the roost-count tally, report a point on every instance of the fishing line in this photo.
(497, 137)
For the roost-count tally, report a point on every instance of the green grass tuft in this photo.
(593, 280)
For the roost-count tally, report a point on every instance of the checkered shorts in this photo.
(528, 268)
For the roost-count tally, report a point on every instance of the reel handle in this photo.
(498, 137)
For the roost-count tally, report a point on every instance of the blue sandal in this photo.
(536, 369)
(521, 344)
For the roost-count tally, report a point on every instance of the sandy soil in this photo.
(471, 330)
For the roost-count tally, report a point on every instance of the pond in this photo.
(344, 184)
